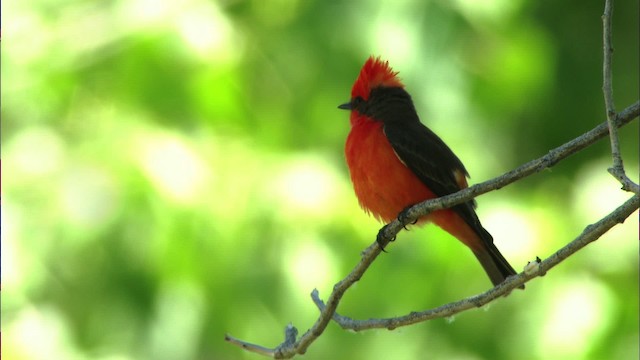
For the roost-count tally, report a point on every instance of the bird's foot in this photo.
(403, 217)
(382, 239)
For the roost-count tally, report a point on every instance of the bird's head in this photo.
(375, 73)
(376, 90)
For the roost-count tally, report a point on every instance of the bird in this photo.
(395, 161)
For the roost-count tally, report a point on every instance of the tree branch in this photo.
(532, 270)
(617, 170)
(289, 348)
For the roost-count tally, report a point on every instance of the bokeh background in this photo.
(173, 171)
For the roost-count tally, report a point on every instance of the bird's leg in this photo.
(403, 217)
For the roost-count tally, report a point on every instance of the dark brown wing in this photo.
(431, 160)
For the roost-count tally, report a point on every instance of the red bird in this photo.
(395, 162)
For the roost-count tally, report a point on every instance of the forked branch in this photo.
(617, 170)
(291, 347)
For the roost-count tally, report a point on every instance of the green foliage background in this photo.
(173, 171)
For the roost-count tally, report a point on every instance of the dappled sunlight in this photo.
(176, 170)
(580, 314)
(38, 151)
(209, 33)
(515, 232)
(309, 264)
(393, 38)
(597, 193)
(150, 12)
(305, 186)
(89, 197)
(493, 11)
(14, 263)
(43, 326)
(178, 321)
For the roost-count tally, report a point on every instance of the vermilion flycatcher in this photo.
(395, 162)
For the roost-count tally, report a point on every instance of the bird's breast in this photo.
(383, 184)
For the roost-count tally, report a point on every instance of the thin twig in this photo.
(249, 347)
(289, 349)
(290, 333)
(606, 63)
(617, 170)
(590, 234)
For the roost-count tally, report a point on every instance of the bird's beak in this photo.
(346, 106)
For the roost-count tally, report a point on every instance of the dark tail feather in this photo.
(494, 264)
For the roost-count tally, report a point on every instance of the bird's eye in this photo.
(357, 101)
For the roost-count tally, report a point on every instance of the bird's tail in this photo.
(494, 264)
(468, 230)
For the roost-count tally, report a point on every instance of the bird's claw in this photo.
(403, 217)
(382, 240)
